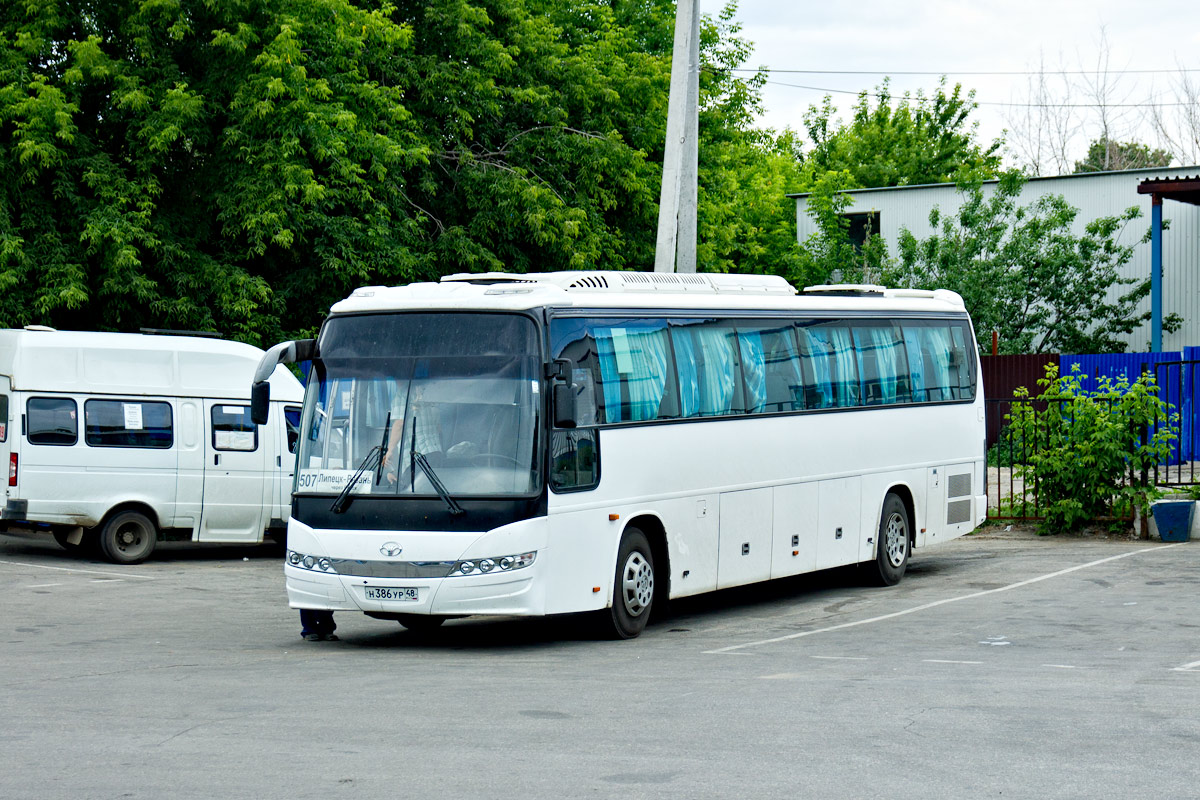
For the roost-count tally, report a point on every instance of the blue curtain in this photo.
(754, 369)
(636, 358)
(707, 378)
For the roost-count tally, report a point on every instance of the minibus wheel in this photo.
(892, 548)
(128, 538)
(633, 586)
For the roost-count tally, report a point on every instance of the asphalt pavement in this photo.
(1004, 665)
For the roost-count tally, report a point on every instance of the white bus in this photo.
(604, 441)
(116, 440)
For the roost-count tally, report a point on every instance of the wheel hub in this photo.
(637, 584)
(895, 540)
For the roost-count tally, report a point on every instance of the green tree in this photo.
(1023, 271)
(903, 141)
(1104, 155)
(240, 165)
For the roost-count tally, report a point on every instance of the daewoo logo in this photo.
(390, 549)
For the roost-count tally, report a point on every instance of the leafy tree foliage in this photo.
(920, 139)
(238, 165)
(1104, 155)
(1023, 271)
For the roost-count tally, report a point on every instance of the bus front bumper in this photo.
(499, 593)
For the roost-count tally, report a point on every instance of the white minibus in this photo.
(604, 441)
(115, 440)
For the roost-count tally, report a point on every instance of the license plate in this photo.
(407, 593)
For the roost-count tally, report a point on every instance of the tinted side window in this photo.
(291, 418)
(127, 423)
(770, 367)
(51, 420)
(881, 364)
(232, 428)
(3, 418)
(706, 355)
(623, 368)
(574, 459)
(941, 360)
(830, 366)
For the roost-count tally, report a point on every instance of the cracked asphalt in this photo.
(1004, 665)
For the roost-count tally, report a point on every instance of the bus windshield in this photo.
(406, 401)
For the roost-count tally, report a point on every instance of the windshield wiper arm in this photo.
(343, 499)
(423, 463)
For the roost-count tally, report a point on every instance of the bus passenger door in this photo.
(236, 489)
(744, 544)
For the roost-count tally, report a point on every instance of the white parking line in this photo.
(841, 658)
(1060, 666)
(947, 661)
(82, 571)
(734, 647)
(108, 580)
(42, 585)
(1187, 667)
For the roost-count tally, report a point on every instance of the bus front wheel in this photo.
(891, 557)
(128, 538)
(633, 587)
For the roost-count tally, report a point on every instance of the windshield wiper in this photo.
(374, 456)
(421, 461)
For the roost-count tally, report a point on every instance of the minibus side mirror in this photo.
(260, 402)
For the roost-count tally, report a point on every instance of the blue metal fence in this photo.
(1178, 376)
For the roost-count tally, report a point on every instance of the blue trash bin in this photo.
(1174, 519)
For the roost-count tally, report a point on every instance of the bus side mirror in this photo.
(564, 405)
(260, 402)
(562, 393)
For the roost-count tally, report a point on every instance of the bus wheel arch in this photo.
(905, 494)
(128, 533)
(637, 577)
(894, 540)
(656, 533)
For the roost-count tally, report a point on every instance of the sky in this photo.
(955, 37)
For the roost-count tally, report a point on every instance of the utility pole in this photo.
(676, 248)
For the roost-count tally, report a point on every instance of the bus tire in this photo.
(633, 585)
(420, 623)
(892, 550)
(128, 538)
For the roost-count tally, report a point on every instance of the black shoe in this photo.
(311, 637)
(329, 637)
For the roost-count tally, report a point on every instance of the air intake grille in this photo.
(958, 511)
(959, 485)
(590, 282)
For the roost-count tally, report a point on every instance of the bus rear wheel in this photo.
(633, 586)
(892, 548)
(128, 538)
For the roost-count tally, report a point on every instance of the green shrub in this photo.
(1089, 452)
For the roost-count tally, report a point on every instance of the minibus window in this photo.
(3, 418)
(232, 428)
(52, 420)
(127, 423)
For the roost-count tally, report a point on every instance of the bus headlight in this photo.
(484, 565)
(311, 563)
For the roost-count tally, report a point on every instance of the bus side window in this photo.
(707, 365)
(771, 368)
(574, 459)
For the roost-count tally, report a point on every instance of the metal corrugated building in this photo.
(1095, 194)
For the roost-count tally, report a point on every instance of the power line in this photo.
(956, 72)
(987, 103)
